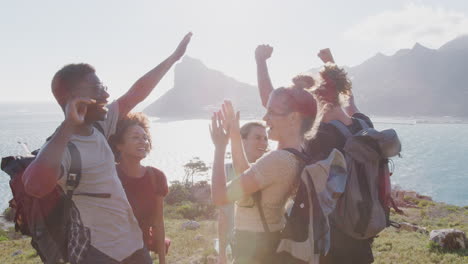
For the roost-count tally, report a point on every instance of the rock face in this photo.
(198, 91)
(413, 82)
(451, 239)
(420, 81)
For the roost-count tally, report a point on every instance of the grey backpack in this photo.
(362, 211)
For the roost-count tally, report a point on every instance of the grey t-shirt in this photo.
(113, 227)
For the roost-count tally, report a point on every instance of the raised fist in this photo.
(263, 52)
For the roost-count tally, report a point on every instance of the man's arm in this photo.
(143, 86)
(265, 87)
(348, 104)
(41, 176)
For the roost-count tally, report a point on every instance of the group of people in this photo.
(117, 208)
(298, 117)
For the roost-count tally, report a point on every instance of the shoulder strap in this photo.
(74, 173)
(362, 123)
(99, 127)
(341, 127)
(298, 154)
(257, 196)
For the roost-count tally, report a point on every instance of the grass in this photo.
(392, 245)
(188, 246)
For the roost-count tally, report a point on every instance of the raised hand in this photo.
(219, 135)
(76, 109)
(263, 52)
(182, 47)
(326, 56)
(348, 104)
(231, 118)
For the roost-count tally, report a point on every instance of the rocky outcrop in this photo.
(450, 239)
(408, 199)
(198, 91)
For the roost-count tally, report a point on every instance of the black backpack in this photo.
(46, 220)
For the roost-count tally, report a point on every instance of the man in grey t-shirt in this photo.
(103, 228)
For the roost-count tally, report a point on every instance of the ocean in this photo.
(432, 161)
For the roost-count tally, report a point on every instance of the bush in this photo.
(189, 201)
(9, 214)
(188, 210)
(178, 193)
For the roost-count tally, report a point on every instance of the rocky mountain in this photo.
(412, 82)
(415, 82)
(198, 91)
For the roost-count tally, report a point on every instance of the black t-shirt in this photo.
(329, 137)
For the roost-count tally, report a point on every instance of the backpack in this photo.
(329, 191)
(306, 233)
(363, 210)
(47, 220)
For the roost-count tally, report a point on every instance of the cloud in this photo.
(393, 30)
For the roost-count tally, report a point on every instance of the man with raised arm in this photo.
(103, 228)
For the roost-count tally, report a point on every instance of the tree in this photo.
(194, 167)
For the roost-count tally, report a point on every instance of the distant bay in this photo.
(432, 163)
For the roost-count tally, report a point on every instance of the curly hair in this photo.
(335, 81)
(132, 119)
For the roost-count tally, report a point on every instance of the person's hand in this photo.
(326, 56)
(219, 135)
(182, 47)
(263, 52)
(76, 109)
(231, 119)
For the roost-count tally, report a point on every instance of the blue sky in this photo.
(124, 39)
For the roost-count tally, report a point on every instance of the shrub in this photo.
(178, 193)
(9, 214)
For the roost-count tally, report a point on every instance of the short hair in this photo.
(132, 119)
(67, 78)
(247, 127)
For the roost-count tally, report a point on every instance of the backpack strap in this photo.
(257, 196)
(298, 154)
(99, 127)
(363, 123)
(74, 173)
(342, 128)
